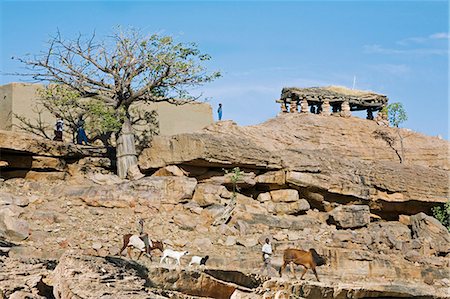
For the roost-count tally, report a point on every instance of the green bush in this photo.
(442, 213)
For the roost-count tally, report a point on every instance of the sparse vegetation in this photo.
(396, 115)
(442, 213)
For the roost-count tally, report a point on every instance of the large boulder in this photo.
(209, 194)
(351, 216)
(288, 208)
(151, 190)
(11, 227)
(428, 229)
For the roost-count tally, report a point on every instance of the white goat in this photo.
(199, 260)
(176, 255)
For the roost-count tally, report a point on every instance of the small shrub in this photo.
(442, 213)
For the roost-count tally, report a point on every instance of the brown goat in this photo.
(126, 244)
(307, 259)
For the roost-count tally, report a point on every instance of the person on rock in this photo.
(59, 126)
(219, 111)
(144, 236)
(267, 256)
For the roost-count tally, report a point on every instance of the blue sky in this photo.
(398, 48)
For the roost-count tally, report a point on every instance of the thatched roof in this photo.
(358, 99)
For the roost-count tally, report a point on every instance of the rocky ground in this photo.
(60, 235)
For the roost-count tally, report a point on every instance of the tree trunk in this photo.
(402, 160)
(126, 153)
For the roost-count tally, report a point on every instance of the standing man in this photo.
(267, 256)
(81, 133)
(59, 128)
(219, 111)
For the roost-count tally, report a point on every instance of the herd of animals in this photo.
(308, 259)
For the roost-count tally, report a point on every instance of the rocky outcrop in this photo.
(351, 216)
(148, 190)
(334, 159)
(206, 149)
(430, 230)
(16, 142)
(33, 158)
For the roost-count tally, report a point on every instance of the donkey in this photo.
(307, 259)
(138, 242)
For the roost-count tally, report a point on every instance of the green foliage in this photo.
(442, 213)
(102, 121)
(396, 113)
(236, 175)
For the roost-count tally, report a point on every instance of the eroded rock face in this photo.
(316, 161)
(351, 216)
(73, 278)
(156, 189)
(209, 194)
(430, 230)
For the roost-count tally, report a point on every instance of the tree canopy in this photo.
(396, 114)
(119, 70)
(123, 68)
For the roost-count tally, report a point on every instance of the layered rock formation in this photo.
(307, 182)
(326, 159)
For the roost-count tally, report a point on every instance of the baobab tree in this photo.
(120, 70)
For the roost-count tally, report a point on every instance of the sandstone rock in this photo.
(34, 175)
(284, 195)
(11, 199)
(170, 170)
(427, 228)
(185, 221)
(287, 208)
(391, 233)
(200, 149)
(246, 180)
(247, 242)
(208, 194)
(11, 227)
(404, 219)
(230, 241)
(202, 243)
(294, 235)
(369, 173)
(301, 179)
(74, 274)
(280, 236)
(105, 179)
(151, 189)
(96, 245)
(264, 197)
(291, 222)
(272, 178)
(95, 162)
(242, 227)
(342, 236)
(26, 143)
(34, 162)
(351, 216)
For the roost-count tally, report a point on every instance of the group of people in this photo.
(81, 133)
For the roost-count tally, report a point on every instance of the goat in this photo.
(176, 255)
(137, 242)
(199, 260)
